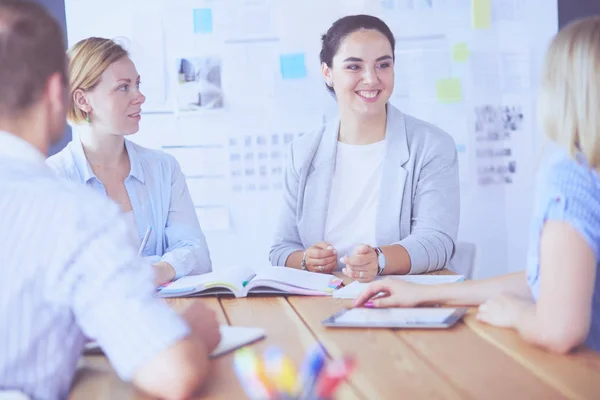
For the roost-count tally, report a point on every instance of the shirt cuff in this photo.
(151, 329)
(419, 257)
(282, 256)
(152, 259)
(181, 260)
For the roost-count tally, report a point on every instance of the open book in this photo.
(242, 281)
(352, 290)
(232, 338)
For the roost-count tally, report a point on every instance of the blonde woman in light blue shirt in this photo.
(106, 103)
(554, 302)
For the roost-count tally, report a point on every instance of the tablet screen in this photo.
(393, 316)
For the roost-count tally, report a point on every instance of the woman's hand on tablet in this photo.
(391, 293)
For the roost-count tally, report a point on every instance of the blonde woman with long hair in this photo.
(555, 302)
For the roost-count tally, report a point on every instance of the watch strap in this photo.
(379, 252)
(303, 262)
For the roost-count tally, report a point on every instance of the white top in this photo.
(66, 274)
(354, 196)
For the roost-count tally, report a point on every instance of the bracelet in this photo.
(303, 263)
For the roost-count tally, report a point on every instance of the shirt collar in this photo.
(81, 162)
(136, 165)
(12, 146)
(84, 168)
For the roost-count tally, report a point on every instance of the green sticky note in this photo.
(460, 52)
(481, 14)
(449, 90)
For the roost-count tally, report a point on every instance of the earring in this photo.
(329, 83)
(87, 118)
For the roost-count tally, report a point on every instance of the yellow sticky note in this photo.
(449, 90)
(460, 52)
(481, 14)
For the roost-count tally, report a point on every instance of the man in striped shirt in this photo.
(67, 267)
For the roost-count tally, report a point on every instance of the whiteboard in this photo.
(229, 83)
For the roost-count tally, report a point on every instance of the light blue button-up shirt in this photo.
(69, 272)
(567, 190)
(159, 197)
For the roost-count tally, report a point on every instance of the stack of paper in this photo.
(232, 338)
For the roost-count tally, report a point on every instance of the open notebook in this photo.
(352, 290)
(232, 338)
(242, 281)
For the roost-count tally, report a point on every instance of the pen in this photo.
(281, 371)
(251, 374)
(145, 240)
(333, 376)
(309, 373)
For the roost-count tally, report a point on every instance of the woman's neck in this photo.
(360, 130)
(103, 149)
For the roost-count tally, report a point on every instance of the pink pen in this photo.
(334, 375)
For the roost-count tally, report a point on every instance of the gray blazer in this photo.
(419, 205)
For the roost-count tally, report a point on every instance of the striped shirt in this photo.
(68, 273)
(159, 197)
(567, 190)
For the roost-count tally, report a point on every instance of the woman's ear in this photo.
(326, 71)
(80, 100)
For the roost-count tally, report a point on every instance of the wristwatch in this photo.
(380, 260)
(303, 263)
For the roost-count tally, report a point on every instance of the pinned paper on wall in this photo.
(200, 161)
(460, 52)
(293, 66)
(387, 4)
(203, 21)
(209, 191)
(449, 90)
(213, 218)
(481, 14)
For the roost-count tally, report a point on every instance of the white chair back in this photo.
(463, 261)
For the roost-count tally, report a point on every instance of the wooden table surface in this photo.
(469, 361)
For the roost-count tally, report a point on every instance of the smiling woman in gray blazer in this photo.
(376, 191)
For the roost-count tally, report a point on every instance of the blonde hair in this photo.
(89, 59)
(569, 98)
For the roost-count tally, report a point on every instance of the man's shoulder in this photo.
(63, 162)
(61, 196)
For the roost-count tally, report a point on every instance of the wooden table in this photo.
(470, 361)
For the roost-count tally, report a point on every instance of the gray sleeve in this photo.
(435, 209)
(287, 238)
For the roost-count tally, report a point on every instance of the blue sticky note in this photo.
(293, 66)
(203, 20)
(461, 148)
